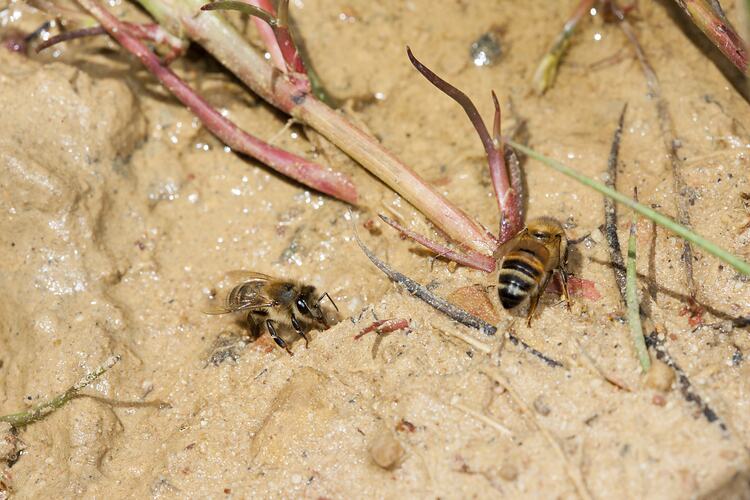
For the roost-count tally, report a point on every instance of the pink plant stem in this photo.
(152, 32)
(509, 197)
(383, 326)
(508, 201)
(267, 34)
(470, 259)
(300, 169)
(714, 25)
(284, 37)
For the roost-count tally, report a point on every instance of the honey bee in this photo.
(534, 255)
(271, 301)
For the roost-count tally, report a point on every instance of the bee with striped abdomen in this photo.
(533, 256)
(272, 301)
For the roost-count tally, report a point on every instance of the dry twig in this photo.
(24, 418)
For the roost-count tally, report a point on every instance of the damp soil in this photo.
(120, 215)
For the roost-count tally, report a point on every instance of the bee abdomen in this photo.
(513, 288)
(519, 274)
(525, 264)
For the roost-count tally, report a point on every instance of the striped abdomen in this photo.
(520, 275)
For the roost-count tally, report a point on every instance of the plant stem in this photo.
(288, 164)
(545, 73)
(151, 32)
(269, 37)
(470, 259)
(508, 201)
(221, 40)
(664, 221)
(24, 418)
(631, 293)
(709, 18)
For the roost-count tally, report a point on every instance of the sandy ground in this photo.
(121, 214)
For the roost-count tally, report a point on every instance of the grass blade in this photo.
(631, 294)
(24, 418)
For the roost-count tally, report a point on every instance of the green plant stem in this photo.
(24, 418)
(545, 73)
(664, 221)
(631, 295)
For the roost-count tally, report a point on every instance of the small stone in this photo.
(508, 472)
(474, 299)
(9, 443)
(541, 407)
(386, 451)
(658, 400)
(660, 376)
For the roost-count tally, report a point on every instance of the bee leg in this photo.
(563, 275)
(533, 301)
(254, 327)
(298, 328)
(279, 341)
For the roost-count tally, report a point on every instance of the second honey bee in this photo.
(533, 256)
(272, 301)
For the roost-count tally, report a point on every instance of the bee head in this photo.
(548, 230)
(307, 305)
(545, 229)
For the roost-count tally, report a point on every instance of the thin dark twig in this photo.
(610, 209)
(526, 347)
(686, 387)
(445, 307)
(421, 292)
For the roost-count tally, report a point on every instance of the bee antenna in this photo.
(325, 294)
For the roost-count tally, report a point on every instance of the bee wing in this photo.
(254, 302)
(243, 276)
(216, 310)
(261, 303)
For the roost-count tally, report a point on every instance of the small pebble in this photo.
(386, 451)
(9, 443)
(658, 400)
(660, 376)
(541, 407)
(508, 472)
